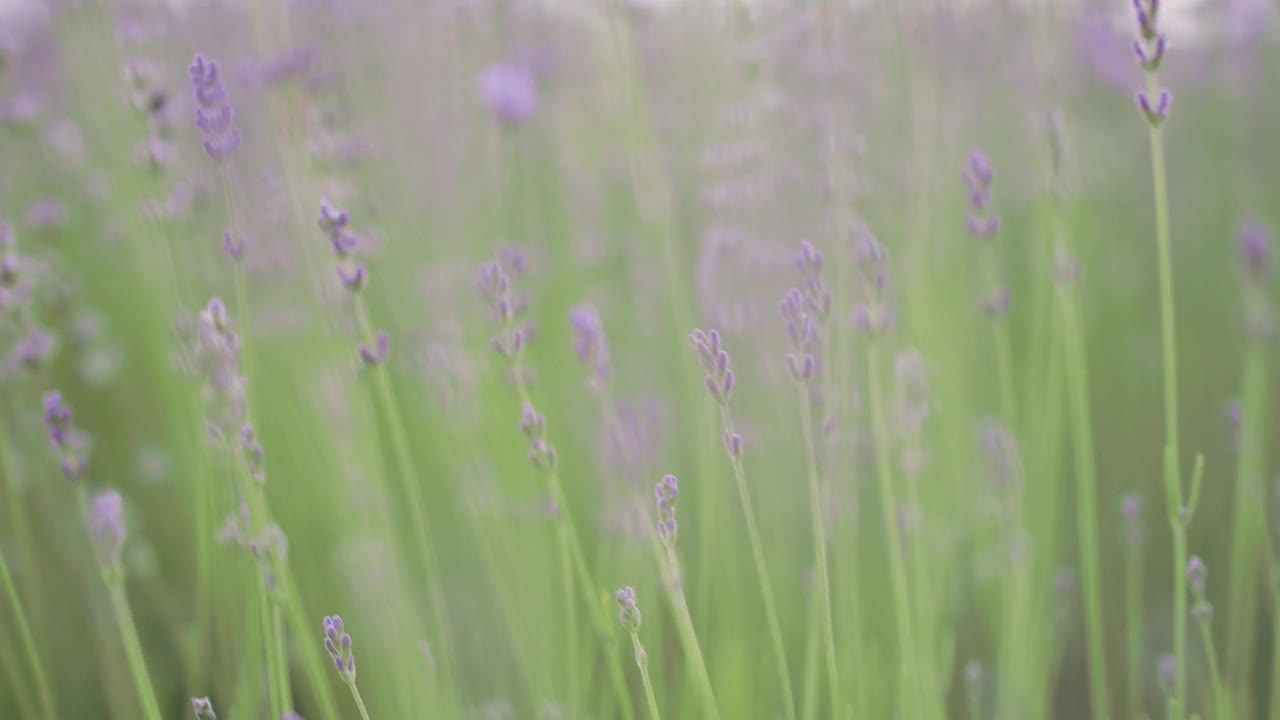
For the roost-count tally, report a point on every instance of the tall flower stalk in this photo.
(719, 381)
(505, 311)
(1154, 103)
(804, 311)
(592, 348)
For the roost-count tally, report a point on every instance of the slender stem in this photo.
(282, 653)
(570, 619)
(28, 641)
(409, 479)
(669, 569)
(133, 649)
(1222, 709)
(642, 662)
(274, 690)
(820, 550)
(689, 638)
(907, 696)
(1275, 649)
(312, 664)
(1172, 470)
(762, 575)
(566, 527)
(1133, 626)
(355, 695)
(1249, 544)
(1086, 501)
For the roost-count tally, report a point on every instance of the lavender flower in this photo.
(803, 331)
(1255, 249)
(33, 349)
(214, 115)
(1197, 577)
(70, 444)
(106, 524)
(233, 246)
(334, 221)
(510, 92)
(715, 361)
(534, 427)
(377, 354)
(978, 178)
(504, 309)
(338, 643)
(1149, 50)
(665, 493)
(203, 709)
(216, 356)
(628, 613)
(873, 313)
(251, 451)
(589, 343)
(1165, 671)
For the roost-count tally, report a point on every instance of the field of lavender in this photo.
(400, 330)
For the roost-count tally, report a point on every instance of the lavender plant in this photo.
(333, 436)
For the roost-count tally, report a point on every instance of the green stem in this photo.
(907, 696)
(314, 667)
(1086, 501)
(1249, 543)
(133, 649)
(355, 695)
(1172, 470)
(28, 641)
(820, 550)
(1133, 626)
(1275, 649)
(570, 620)
(642, 662)
(762, 575)
(409, 478)
(1220, 701)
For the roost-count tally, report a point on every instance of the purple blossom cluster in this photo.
(107, 527)
(510, 91)
(216, 356)
(338, 643)
(1149, 51)
(505, 309)
(873, 311)
(335, 223)
(665, 492)
(69, 443)
(533, 425)
(590, 344)
(719, 381)
(214, 115)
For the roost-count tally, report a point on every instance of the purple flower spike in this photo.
(379, 352)
(1131, 509)
(628, 613)
(1255, 248)
(233, 246)
(510, 92)
(338, 643)
(354, 278)
(665, 493)
(106, 524)
(34, 348)
(70, 445)
(214, 115)
(332, 218)
(590, 344)
(720, 377)
(223, 147)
